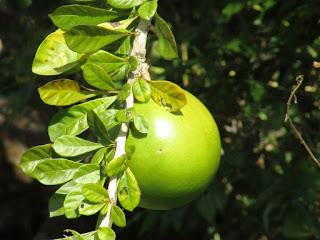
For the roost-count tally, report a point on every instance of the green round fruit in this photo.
(179, 156)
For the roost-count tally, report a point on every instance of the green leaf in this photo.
(68, 16)
(95, 193)
(125, 92)
(85, 236)
(141, 123)
(107, 61)
(108, 118)
(70, 146)
(89, 38)
(141, 90)
(75, 235)
(56, 204)
(33, 156)
(130, 150)
(53, 57)
(55, 171)
(96, 125)
(73, 121)
(124, 116)
(119, 74)
(167, 46)
(148, 9)
(125, 4)
(128, 191)
(133, 62)
(64, 92)
(116, 166)
(117, 216)
(97, 77)
(88, 208)
(105, 233)
(168, 94)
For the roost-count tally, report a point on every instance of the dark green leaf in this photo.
(118, 217)
(148, 9)
(70, 146)
(128, 191)
(97, 126)
(167, 46)
(68, 16)
(97, 77)
(73, 121)
(116, 166)
(64, 92)
(141, 90)
(89, 38)
(125, 4)
(168, 94)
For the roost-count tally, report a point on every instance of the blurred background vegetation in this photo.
(241, 58)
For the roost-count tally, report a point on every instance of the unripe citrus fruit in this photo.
(179, 156)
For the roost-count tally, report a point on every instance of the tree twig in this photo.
(139, 51)
(299, 81)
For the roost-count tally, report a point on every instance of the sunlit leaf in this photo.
(95, 193)
(69, 146)
(167, 46)
(123, 116)
(141, 123)
(118, 217)
(125, 4)
(64, 92)
(133, 62)
(128, 191)
(125, 92)
(116, 166)
(148, 9)
(141, 90)
(168, 94)
(97, 77)
(73, 121)
(53, 57)
(96, 125)
(75, 234)
(89, 208)
(105, 233)
(68, 16)
(90, 38)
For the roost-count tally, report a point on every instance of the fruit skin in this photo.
(179, 156)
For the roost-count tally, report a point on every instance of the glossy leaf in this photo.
(124, 116)
(95, 193)
(107, 61)
(105, 233)
(128, 191)
(73, 121)
(89, 38)
(125, 4)
(116, 166)
(141, 90)
(89, 208)
(64, 92)
(141, 123)
(55, 171)
(70, 146)
(168, 94)
(148, 9)
(53, 57)
(167, 46)
(125, 92)
(33, 156)
(97, 77)
(68, 16)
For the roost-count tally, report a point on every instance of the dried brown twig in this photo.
(299, 81)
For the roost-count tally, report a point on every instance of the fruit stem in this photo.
(138, 50)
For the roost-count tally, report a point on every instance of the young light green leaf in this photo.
(125, 4)
(90, 38)
(148, 9)
(119, 74)
(68, 16)
(133, 63)
(55, 171)
(64, 92)
(168, 94)
(70, 146)
(125, 92)
(123, 116)
(89, 208)
(128, 191)
(75, 235)
(167, 46)
(33, 156)
(117, 216)
(130, 150)
(97, 77)
(95, 193)
(141, 123)
(116, 166)
(105, 233)
(73, 121)
(107, 61)
(141, 90)
(53, 57)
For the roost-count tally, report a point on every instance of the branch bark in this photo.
(139, 51)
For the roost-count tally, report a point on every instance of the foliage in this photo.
(241, 59)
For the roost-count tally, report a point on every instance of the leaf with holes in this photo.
(95, 193)
(88, 208)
